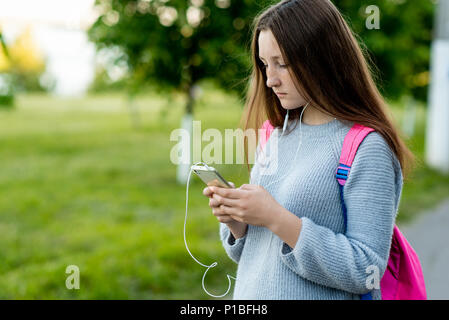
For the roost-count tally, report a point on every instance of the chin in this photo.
(290, 107)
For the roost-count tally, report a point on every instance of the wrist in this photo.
(287, 226)
(278, 219)
(238, 229)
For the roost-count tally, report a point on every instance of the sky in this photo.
(59, 29)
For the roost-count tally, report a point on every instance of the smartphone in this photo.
(211, 177)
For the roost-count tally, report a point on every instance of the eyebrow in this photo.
(273, 57)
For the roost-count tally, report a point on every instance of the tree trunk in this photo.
(182, 173)
(133, 110)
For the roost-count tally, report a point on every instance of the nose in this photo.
(272, 79)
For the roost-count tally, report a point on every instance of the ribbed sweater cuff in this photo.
(288, 254)
(232, 246)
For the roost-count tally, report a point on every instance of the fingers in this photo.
(228, 193)
(213, 203)
(207, 192)
(235, 203)
(216, 200)
(223, 213)
(222, 210)
(222, 207)
(225, 219)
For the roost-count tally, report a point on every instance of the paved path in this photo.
(429, 236)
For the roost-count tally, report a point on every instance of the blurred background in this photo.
(90, 92)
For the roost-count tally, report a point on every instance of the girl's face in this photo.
(278, 75)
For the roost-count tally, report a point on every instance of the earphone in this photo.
(214, 264)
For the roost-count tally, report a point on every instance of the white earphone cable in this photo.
(214, 264)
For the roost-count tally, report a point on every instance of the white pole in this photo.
(437, 133)
(183, 169)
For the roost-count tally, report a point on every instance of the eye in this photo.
(279, 65)
(265, 66)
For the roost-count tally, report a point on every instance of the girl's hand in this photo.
(215, 206)
(250, 204)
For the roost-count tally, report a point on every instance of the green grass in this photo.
(81, 186)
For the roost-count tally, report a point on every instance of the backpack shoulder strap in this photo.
(351, 143)
(265, 135)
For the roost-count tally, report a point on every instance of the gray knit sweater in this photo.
(327, 262)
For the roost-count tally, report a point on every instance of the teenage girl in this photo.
(286, 228)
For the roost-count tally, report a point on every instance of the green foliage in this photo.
(6, 101)
(102, 82)
(178, 55)
(22, 62)
(6, 88)
(401, 47)
(181, 53)
(27, 82)
(6, 91)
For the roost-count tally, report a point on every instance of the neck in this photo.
(314, 117)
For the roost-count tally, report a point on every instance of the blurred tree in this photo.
(6, 90)
(27, 62)
(176, 43)
(111, 70)
(104, 83)
(25, 55)
(24, 62)
(4, 55)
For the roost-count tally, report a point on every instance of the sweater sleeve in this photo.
(232, 246)
(371, 194)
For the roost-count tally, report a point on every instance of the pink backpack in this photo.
(403, 279)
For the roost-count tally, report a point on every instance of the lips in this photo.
(281, 95)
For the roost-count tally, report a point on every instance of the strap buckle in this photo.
(342, 173)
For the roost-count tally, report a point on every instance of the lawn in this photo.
(81, 185)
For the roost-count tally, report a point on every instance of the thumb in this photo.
(232, 184)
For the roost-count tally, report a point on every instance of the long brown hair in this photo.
(330, 70)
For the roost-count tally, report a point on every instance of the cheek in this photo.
(297, 95)
(300, 98)
(290, 84)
